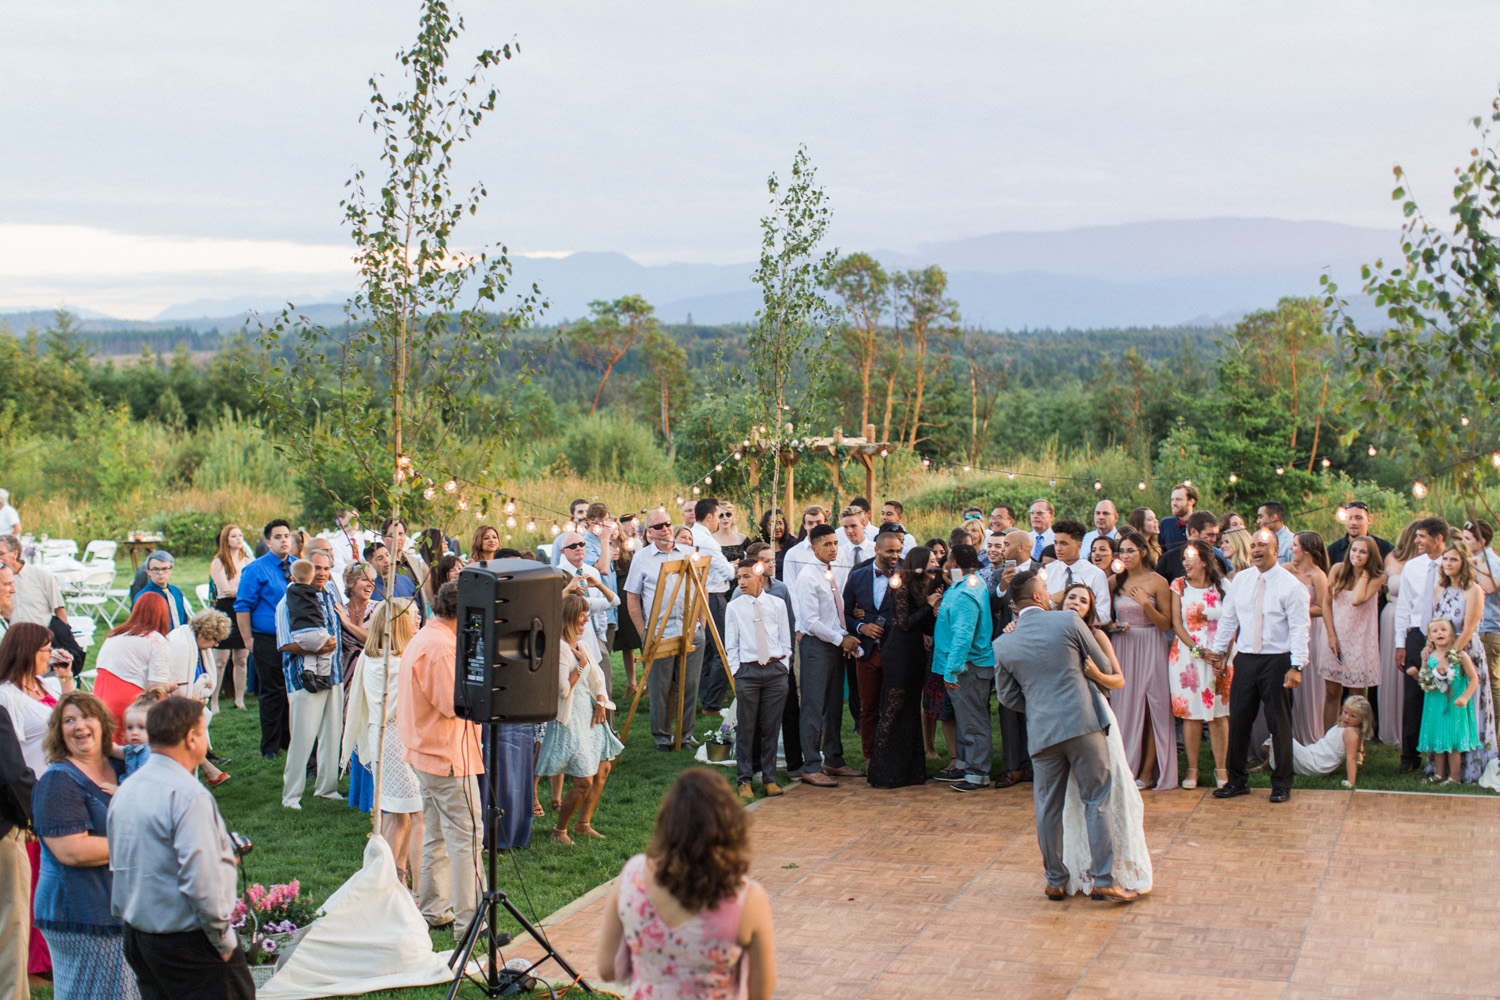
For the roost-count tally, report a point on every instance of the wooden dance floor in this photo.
(925, 892)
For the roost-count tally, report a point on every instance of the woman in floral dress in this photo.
(1199, 692)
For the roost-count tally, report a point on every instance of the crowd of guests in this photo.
(1274, 645)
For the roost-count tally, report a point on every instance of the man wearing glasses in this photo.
(1358, 522)
(640, 593)
(159, 565)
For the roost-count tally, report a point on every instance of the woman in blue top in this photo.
(72, 898)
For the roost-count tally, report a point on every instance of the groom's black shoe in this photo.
(1230, 791)
(1280, 796)
(968, 786)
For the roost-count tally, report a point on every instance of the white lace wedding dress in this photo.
(1132, 866)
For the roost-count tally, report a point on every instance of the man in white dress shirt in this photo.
(713, 684)
(799, 557)
(855, 545)
(824, 655)
(758, 640)
(1266, 612)
(640, 592)
(1106, 516)
(1073, 567)
(1041, 514)
(1414, 604)
(892, 512)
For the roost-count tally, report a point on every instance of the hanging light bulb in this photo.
(1418, 490)
(403, 462)
(736, 456)
(967, 468)
(758, 569)
(1372, 451)
(400, 474)
(1141, 485)
(895, 580)
(510, 506)
(1280, 471)
(708, 480)
(451, 486)
(679, 500)
(1342, 514)
(884, 452)
(1052, 481)
(1233, 478)
(569, 526)
(1464, 421)
(1012, 475)
(429, 493)
(554, 529)
(510, 522)
(1326, 463)
(697, 491)
(1098, 485)
(1187, 482)
(463, 504)
(927, 462)
(1495, 459)
(531, 526)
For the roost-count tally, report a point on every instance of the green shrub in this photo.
(192, 532)
(615, 448)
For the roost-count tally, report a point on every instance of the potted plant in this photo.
(720, 742)
(267, 920)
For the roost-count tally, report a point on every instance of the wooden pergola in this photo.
(833, 451)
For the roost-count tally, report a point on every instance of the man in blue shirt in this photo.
(962, 653)
(262, 586)
(159, 566)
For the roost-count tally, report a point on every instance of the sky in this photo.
(169, 152)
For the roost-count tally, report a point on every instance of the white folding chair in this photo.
(118, 605)
(202, 591)
(100, 549)
(55, 550)
(91, 593)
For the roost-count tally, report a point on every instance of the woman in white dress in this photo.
(373, 686)
(1132, 867)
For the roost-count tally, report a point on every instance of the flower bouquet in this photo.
(1437, 675)
(267, 919)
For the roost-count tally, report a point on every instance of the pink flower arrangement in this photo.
(278, 913)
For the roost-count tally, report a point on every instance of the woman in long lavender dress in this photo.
(1142, 607)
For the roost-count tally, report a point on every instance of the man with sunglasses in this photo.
(640, 593)
(1357, 523)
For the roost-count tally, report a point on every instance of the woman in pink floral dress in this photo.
(683, 921)
(1199, 693)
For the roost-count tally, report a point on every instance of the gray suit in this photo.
(1039, 671)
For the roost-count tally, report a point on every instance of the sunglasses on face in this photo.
(1358, 504)
(575, 545)
(659, 527)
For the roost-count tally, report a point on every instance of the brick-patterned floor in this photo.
(888, 895)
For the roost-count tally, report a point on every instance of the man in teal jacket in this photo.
(962, 653)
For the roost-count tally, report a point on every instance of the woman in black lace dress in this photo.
(898, 758)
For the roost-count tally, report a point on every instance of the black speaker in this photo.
(509, 628)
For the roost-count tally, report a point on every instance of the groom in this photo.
(1039, 671)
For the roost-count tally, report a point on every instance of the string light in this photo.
(1052, 481)
(1187, 482)
(554, 529)
(429, 493)
(696, 491)
(569, 526)
(708, 480)
(1418, 490)
(886, 451)
(967, 468)
(510, 522)
(1098, 485)
(1342, 514)
(1326, 463)
(1117, 567)
(679, 500)
(1495, 459)
(1371, 450)
(927, 462)
(531, 526)
(1012, 475)
(719, 467)
(463, 504)
(1280, 471)
(510, 506)
(895, 580)
(1140, 485)
(451, 486)
(1464, 421)
(1233, 478)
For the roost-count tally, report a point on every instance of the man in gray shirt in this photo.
(173, 868)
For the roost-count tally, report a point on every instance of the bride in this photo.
(1132, 866)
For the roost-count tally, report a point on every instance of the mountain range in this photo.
(1157, 273)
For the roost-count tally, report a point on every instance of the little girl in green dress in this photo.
(1448, 677)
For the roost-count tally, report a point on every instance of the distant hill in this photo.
(1159, 273)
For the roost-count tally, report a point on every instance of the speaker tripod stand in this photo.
(499, 981)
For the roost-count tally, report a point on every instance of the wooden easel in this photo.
(657, 646)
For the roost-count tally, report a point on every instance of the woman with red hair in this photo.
(134, 657)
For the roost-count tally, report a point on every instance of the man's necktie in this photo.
(1036, 549)
(1068, 580)
(1428, 605)
(1260, 612)
(762, 640)
(838, 604)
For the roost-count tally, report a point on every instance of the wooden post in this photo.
(788, 461)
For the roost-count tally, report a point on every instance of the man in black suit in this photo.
(866, 598)
(1202, 526)
(16, 783)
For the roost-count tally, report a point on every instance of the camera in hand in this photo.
(242, 844)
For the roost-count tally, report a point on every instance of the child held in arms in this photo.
(137, 748)
(309, 630)
(758, 642)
